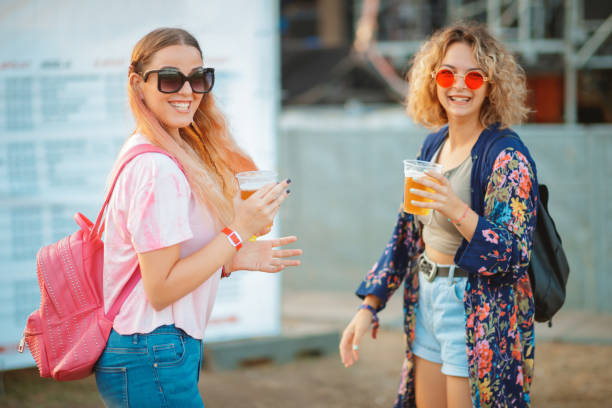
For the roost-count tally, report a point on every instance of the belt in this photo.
(431, 269)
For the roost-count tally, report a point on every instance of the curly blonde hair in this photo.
(506, 101)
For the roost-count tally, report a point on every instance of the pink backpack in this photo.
(67, 335)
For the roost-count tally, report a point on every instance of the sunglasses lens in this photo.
(201, 81)
(445, 78)
(474, 80)
(209, 77)
(169, 81)
(197, 82)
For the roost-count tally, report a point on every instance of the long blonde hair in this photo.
(207, 152)
(507, 93)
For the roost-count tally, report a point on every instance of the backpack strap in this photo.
(135, 278)
(495, 139)
(125, 292)
(127, 157)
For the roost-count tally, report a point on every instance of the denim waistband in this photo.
(169, 328)
(166, 329)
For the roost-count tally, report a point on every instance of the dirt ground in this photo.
(566, 375)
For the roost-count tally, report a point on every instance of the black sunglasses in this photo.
(171, 80)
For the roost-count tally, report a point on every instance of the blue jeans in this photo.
(157, 369)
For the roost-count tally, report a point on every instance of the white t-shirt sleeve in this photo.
(158, 211)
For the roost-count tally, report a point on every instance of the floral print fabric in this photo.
(498, 299)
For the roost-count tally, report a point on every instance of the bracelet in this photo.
(233, 237)
(374, 318)
(457, 222)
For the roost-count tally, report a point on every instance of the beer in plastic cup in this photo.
(251, 181)
(414, 169)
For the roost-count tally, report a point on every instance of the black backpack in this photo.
(548, 268)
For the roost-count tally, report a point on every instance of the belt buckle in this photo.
(428, 268)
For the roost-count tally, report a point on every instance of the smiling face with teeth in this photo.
(173, 110)
(460, 102)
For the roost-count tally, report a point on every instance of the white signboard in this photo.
(64, 115)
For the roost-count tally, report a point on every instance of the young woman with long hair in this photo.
(468, 302)
(180, 223)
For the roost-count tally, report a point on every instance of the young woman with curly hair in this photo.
(468, 303)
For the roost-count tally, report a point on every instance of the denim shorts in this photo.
(440, 324)
(157, 369)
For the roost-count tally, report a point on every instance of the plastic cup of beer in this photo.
(251, 181)
(414, 169)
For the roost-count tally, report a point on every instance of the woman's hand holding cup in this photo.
(254, 215)
(440, 197)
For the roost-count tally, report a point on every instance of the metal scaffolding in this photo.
(521, 24)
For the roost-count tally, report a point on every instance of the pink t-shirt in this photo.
(152, 207)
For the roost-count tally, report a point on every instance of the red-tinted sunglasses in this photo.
(446, 78)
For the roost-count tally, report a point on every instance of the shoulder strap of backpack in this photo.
(127, 157)
(495, 139)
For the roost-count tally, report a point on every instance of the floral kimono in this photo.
(498, 300)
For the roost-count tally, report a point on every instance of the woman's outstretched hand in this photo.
(351, 337)
(261, 255)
